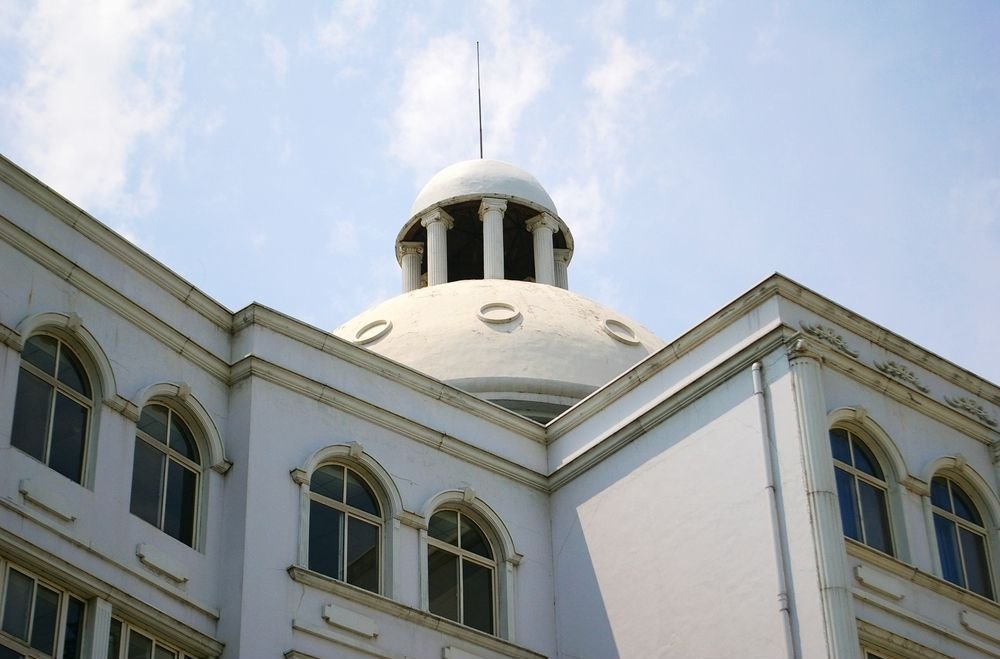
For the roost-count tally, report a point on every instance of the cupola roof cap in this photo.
(475, 179)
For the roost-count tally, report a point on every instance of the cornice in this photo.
(256, 314)
(106, 238)
(251, 366)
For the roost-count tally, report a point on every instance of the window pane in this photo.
(473, 538)
(976, 562)
(865, 461)
(71, 372)
(947, 543)
(18, 604)
(115, 639)
(360, 495)
(840, 446)
(964, 507)
(328, 481)
(69, 435)
(848, 505)
(939, 494)
(43, 624)
(7, 653)
(139, 647)
(73, 636)
(163, 653)
(444, 526)
(477, 596)
(181, 439)
(147, 478)
(442, 582)
(362, 554)
(40, 351)
(326, 532)
(31, 415)
(153, 422)
(179, 504)
(875, 517)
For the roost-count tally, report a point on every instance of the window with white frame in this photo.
(53, 406)
(166, 471)
(461, 571)
(126, 642)
(37, 618)
(345, 527)
(961, 537)
(862, 491)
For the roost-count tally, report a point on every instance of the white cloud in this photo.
(277, 55)
(347, 23)
(102, 80)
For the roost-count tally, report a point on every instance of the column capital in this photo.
(562, 255)
(437, 215)
(403, 249)
(543, 220)
(800, 347)
(490, 204)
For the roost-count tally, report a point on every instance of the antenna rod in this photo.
(479, 93)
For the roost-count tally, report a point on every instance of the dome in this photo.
(532, 348)
(477, 178)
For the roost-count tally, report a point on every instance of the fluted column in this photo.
(491, 213)
(98, 627)
(821, 492)
(437, 223)
(542, 228)
(561, 263)
(411, 255)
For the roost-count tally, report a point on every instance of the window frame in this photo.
(125, 635)
(856, 474)
(169, 454)
(57, 387)
(984, 531)
(350, 511)
(23, 646)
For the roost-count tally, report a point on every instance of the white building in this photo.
(485, 466)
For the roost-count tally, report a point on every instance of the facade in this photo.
(486, 466)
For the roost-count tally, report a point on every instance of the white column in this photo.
(491, 213)
(437, 223)
(821, 491)
(98, 627)
(542, 228)
(561, 258)
(411, 255)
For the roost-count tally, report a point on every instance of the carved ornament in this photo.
(830, 336)
(973, 407)
(902, 373)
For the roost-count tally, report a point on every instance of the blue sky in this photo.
(269, 151)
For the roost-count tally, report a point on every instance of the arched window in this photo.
(345, 527)
(53, 406)
(961, 537)
(166, 470)
(861, 490)
(461, 571)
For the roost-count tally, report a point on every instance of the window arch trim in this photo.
(856, 420)
(957, 469)
(179, 397)
(70, 327)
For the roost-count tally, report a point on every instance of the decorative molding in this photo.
(988, 628)
(902, 373)
(878, 582)
(973, 407)
(160, 563)
(349, 620)
(47, 500)
(884, 642)
(916, 486)
(830, 336)
(341, 640)
(451, 652)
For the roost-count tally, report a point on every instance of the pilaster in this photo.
(491, 213)
(542, 228)
(98, 628)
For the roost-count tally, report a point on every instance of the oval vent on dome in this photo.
(373, 331)
(498, 313)
(619, 331)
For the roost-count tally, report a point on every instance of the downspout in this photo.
(781, 559)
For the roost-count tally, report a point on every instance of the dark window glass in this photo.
(848, 506)
(865, 461)
(442, 579)
(115, 639)
(181, 439)
(139, 647)
(326, 532)
(840, 446)
(69, 436)
(179, 502)
(40, 351)
(153, 422)
(7, 653)
(328, 481)
(444, 526)
(71, 373)
(360, 496)
(947, 541)
(977, 568)
(939, 494)
(163, 653)
(45, 620)
(362, 554)
(964, 507)
(874, 513)
(73, 635)
(17, 604)
(31, 415)
(477, 596)
(473, 539)
(147, 479)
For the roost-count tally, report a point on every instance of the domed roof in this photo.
(478, 178)
(503, 339)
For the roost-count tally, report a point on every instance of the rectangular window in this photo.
(38, 619)
(126, 642)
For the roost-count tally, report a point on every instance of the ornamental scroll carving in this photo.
(902, 373)
(972, 407)
(830, 336)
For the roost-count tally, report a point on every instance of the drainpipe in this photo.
(785, 602)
